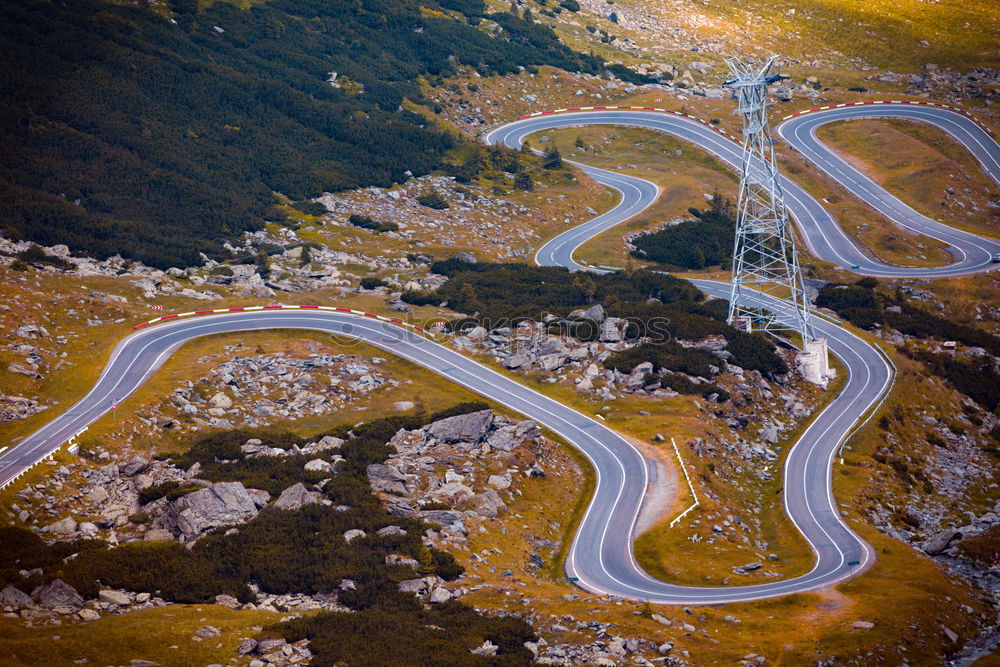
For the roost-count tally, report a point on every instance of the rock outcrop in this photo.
(196, 513)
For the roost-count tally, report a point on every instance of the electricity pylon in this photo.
(764, 256)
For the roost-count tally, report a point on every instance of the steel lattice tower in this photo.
(764, 255)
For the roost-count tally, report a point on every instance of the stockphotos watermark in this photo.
(655, 330)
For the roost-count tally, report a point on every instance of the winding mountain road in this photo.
(601, 558)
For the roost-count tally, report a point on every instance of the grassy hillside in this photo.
(126, 131)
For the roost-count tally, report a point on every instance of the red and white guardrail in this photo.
(334, 309)
(635, 108)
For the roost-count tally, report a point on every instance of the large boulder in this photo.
(488, 503)
(520, 358)
(450, 521)
(296, 496)
(612, 330)
(14, 597)
(512, 436)
(221, 401)
(471, 427)
(595, 313)
(942, 541)
(386, 479)
(57, 594)
(451, 492)
(135, 466)
(64, 527)
(218, 505)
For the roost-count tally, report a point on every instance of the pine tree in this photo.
(263, 263)
(553, 159)
(522, 181)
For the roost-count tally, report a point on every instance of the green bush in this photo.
(683, 385)
(669, 356)
(313, 208)
(372, 283)
(433, 199)
(168, 490)
(372, 225)
(34, 254)
(410, 634)
(165, 137)
(696, 244)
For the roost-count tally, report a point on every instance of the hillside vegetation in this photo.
(128, 132)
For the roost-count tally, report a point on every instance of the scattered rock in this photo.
(296, 496)
(941, 542)
(14, 597)
(114, 597)
(354, 534)
(470, 427)
(196, 513)
(57, 594)
(63, 527)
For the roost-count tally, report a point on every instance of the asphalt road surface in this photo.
(601, 557)
(824, 237)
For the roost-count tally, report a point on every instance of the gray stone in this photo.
(390, 530)
(296, 496)
(551, 362)
(448, 519)
(114, 597)
(489, 503)
(57, 593)
(452, 492)
(770, 433)
(260, 497)
(595, 313)
(354, 534)
(508, 438)
(266, 646)
(520, 358)
(87, 529)
(416, 586)
(21, 369)
(157, 535)
(65, 526)
(14, 597)
(612, 330)
(500, 482)
(318, 465)
(386, 479)
(247, 646)
(208, 631)
(486, 648)
(88, 614)
(941, 542)
(439, 595)
(196, 513)
(221, 401)
(471, 427)
(135, 466)
(227, 601)
(325, 443)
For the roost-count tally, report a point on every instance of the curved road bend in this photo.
(601, 555)
(824, 237)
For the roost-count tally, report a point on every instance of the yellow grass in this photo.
(919, 164)
(163, 635)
